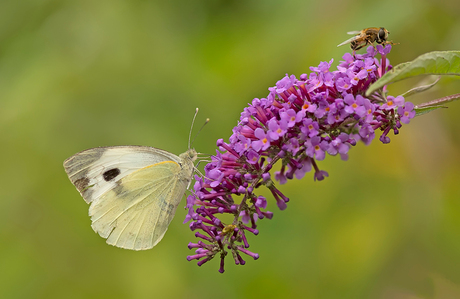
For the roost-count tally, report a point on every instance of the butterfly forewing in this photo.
(86, 169)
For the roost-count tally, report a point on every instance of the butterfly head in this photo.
(190, 155)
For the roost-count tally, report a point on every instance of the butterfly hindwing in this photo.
(137, 213)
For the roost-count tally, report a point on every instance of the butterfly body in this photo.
(133, 191)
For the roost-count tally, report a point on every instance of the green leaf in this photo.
(433, 63)
(425, 110)
(420, 88)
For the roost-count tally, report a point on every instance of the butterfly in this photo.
(133, 191)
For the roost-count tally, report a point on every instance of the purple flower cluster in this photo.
(298, 123)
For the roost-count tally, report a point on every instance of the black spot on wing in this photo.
(111, 174)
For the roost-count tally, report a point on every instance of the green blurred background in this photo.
(82, 74)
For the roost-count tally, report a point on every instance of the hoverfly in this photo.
(367, 37)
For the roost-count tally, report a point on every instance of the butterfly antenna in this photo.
(191, 128)
(207, 120)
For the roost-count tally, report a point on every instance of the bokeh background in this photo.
(82, 74)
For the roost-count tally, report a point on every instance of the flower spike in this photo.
(298, 123)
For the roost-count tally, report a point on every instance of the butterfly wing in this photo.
(133, 191)
(136, 214)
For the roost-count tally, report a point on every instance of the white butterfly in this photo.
(134, 191)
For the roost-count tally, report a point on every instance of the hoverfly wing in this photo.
(347, 41)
